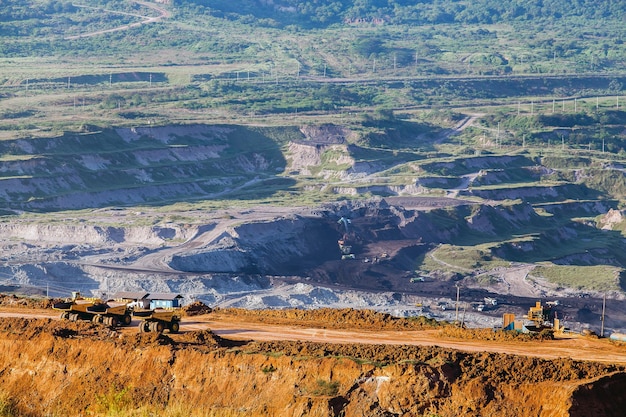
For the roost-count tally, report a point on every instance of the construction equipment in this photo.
(78, 307)
(539, 314)
(345, 222)
(540, 317)
(157, 320)
(344, 246)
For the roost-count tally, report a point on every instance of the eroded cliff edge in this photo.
(50, 367)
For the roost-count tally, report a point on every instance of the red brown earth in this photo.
(53, 367)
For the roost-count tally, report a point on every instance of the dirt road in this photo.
(569, 346)
(163, 14)
(574, 347)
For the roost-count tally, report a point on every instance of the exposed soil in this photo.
(53, 367)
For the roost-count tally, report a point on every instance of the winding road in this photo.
(163, 14)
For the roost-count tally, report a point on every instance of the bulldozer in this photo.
(78, 307)
(158, 320)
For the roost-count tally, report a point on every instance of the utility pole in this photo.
(463, 318)
(603, 310)
(498, 136)
(458, 290)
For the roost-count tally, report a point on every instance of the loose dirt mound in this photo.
(28, 328)
(15, 301)
(346, 318)
(196, 309)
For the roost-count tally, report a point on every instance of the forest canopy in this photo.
(324, 12)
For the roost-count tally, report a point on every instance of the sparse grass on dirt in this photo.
(7, 408)
(324, 388)
(489, 334)
(596, 278)
(463, 259)
(120, 404)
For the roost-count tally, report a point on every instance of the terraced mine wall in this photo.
(48, 367)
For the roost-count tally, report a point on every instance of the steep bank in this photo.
(61, 368)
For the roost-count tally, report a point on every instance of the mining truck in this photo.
(157, 320)
(110, 313)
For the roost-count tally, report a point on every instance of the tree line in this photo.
(320, 13)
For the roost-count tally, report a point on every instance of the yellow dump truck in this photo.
(110, 313)
(158, 320)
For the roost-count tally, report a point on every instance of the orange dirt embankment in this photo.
(53, 367)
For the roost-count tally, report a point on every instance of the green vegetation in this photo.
(114, 402)
(595, 278)
(268, 369)
(7, 408)
(325, 388)
(541, 87)
(216, 61)
(462, 259)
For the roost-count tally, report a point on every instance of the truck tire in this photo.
(144, 327)
(159, 327)
(65, 315)
(126, 320)
(174, 327)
